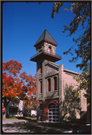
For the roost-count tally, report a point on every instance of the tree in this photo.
(84, 84)
(15, 86)
(83, 42)
(71, 105)
(31, 89)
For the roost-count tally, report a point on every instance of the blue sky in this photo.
(22, 25)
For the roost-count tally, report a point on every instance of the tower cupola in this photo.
(45, 48)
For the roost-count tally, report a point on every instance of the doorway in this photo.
(52, 113)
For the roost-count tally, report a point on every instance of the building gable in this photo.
(51, 68)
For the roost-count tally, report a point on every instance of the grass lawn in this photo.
(64, 125)
(41, 130)
(33, 118)
(26, 117)
(33, 126)
(10, 118)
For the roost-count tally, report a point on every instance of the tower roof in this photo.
(46, 37)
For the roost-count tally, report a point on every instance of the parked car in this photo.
(83, 129)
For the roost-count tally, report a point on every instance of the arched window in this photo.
(48, 85)
(55, 83)
(49, 49)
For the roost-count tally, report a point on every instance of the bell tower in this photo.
(45, 48)
(45, 54)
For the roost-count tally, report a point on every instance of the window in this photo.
(49, 49)
(55, 83)
(41, 67)
(48, 85)
(40, 86)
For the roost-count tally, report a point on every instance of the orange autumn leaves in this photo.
(30, 83)
(12, 66)
(16, 84)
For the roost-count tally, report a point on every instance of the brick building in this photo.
(53, 82)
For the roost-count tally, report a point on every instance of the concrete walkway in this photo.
(10, 121)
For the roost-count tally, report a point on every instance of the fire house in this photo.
(52, 80)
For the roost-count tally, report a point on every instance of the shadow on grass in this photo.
(33, 127)
(65, 125)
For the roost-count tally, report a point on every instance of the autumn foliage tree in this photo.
(30, 99)
(17, 86)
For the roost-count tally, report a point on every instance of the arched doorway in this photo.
(52, 113)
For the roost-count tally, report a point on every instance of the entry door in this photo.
(53, 113)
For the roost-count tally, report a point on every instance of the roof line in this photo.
(47, 37)
(71, 71)
(44, 33)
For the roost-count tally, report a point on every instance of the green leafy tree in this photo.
(84, 81)
(71, 105)
(82, 44)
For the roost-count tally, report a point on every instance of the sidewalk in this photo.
(10, 121)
